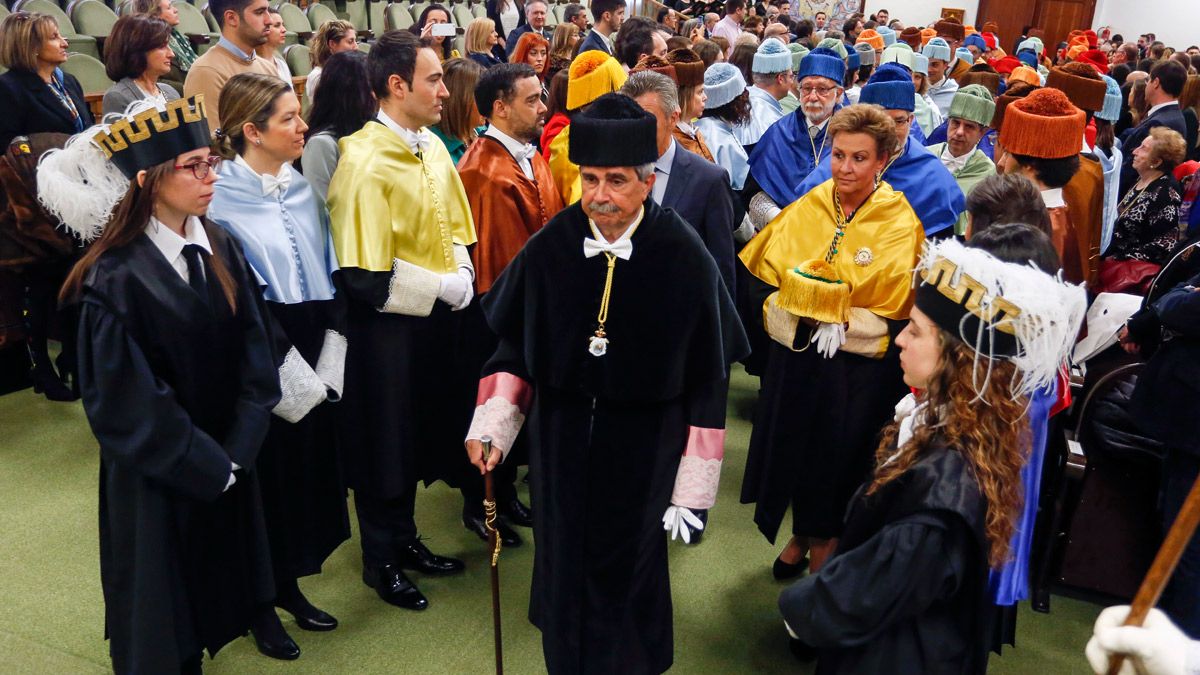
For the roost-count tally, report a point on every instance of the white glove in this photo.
(676, 521)
(455, 289)
(829, 337)
(1158, 647)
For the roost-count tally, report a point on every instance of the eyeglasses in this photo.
(201, 168)
(810, 90)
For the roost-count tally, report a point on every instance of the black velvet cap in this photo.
(150, 137)
(613, 131)
(960, 306)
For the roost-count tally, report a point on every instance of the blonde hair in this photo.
(1170, 149)
(863, 118)
(318, 44)
(560, 44)
(245, 98)
(479, 31)
(151, 8)
(21, 38)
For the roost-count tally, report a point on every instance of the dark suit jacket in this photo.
(27, 106)
(1167, 395)
(511, 42)
(594, 41)
(493, 13)
(1171, 117)
(698, 191)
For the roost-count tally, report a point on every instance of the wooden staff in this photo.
(1164, 565)
(489, 510)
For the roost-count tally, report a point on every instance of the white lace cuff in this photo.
(412, 291)
(762, 210)
(499, 419)
(331, 364)
(300, 388)
(699, 471)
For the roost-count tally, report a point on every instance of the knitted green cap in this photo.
(973, 103)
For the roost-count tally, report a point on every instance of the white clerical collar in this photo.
(418, 141)
(1053, 198)
(171, 244)
(665, 161)
(954, 164)
(1160, 106)
(622, 247)
(519, 150)
(270, 183)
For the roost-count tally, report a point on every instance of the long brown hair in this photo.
(128, 220)
(993, 435)
(459, 114)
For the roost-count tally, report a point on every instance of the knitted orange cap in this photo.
(1024, 74)
(927, 34)
(1043, 124)
(1081, 83)
(871, 37)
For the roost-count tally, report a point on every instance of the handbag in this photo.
(1126, 276)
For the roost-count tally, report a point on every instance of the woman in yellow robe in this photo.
(833, 372)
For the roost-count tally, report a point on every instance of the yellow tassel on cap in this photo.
(813, 290)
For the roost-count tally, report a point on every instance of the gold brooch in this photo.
(863, 257)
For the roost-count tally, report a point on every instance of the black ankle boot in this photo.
(46, 380)
(270, 637)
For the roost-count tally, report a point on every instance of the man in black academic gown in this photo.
(616, 317)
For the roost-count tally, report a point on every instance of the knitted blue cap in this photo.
(1112, 100)
(822, 62)
(1028, 58)
(977, 40)
(888, 35)
(937, 48)
(853, 61)
(890, 87)
(772, 56)
(965, 55)
(723, 82)
(921, 64)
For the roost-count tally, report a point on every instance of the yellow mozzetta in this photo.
(565, 172)
(380, 185)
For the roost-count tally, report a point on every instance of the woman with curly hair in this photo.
(909, 581)
(332, 37)
(727, 105)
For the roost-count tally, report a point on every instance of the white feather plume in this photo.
(1052, 311)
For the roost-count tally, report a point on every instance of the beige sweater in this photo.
(212, 70)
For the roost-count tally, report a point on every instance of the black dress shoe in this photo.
(393, 587)
(801, 650)
(270, 637)
(417, 556)
(694, 534)
(783, 570)
(307, 617)
(508, 536)
(517, 513)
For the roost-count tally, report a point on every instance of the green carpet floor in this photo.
(725, 615)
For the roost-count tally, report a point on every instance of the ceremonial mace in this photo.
(489, 511)
(1160, 570)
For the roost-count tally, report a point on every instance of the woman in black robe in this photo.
(178, 386)
(283, 227)
(906, 590)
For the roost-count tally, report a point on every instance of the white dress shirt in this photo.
(1160, 106)
(1053, 198)
(954, 164)
(171, 244)
(418, 141)
(662, 173)
(622, 247)
(522, 152)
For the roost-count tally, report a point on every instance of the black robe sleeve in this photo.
(368, 288)
(895, 575)
(135, 415)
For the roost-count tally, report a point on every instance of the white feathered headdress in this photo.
(1001, 310)
(82, 183)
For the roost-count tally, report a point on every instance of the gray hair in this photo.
(644, 171)
(573, 10)
(531, 3)
(766, 79)
(649, 82)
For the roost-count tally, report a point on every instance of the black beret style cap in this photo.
(613, 131)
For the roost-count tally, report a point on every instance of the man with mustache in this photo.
(616, 337)
(793, 146)
(512, 195)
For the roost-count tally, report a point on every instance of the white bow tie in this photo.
(525, 152)
(273, 184)
(622, 248)
(418, 141)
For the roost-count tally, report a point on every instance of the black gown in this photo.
(176, 388)
(606, 433)
(906, 590)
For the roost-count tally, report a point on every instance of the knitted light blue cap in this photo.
(890, 87)
(866, 54)
(888, 35)
(898, 53)
(772, 56)
(1112, 100)
(921, 64)
(822, 62)
(1031, 43)
(723, 82)
(965, 55)
(937, 48)
(977, 40)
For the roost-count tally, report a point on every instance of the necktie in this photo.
(192, 253)
(813, 130)
(622, 248)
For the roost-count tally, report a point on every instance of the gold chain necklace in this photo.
(598, 342)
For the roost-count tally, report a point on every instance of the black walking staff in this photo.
(489, 510)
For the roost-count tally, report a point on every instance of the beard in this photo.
(816, 113)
